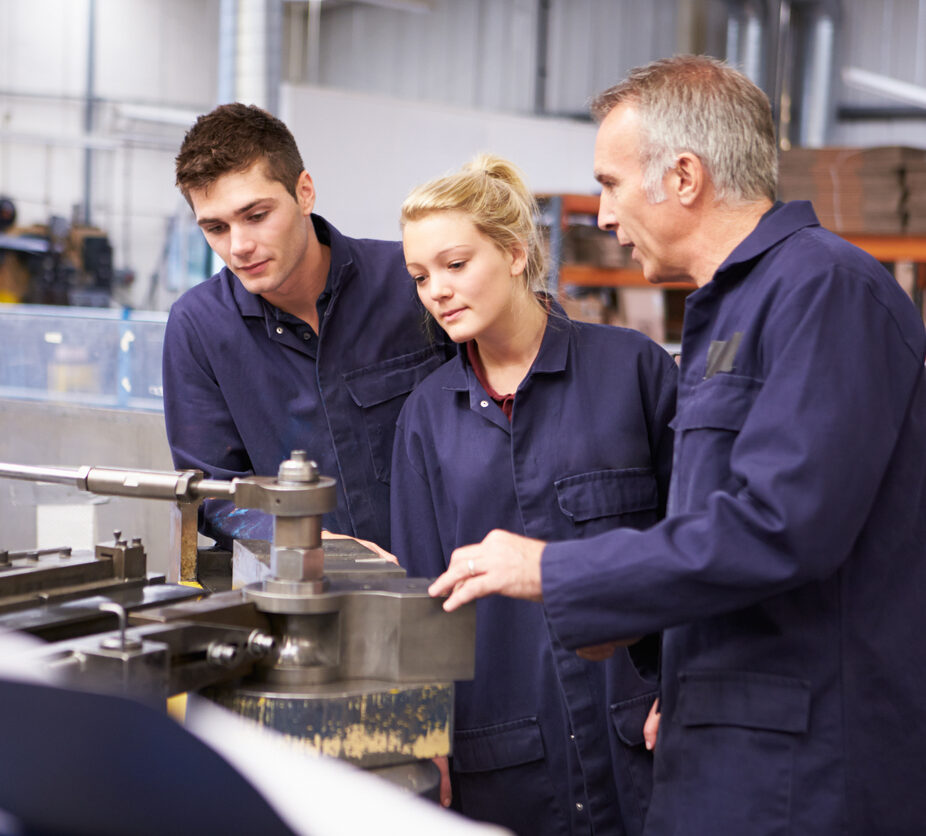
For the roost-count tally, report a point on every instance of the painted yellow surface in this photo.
(358, 740)
(176, 707)
(412, 722)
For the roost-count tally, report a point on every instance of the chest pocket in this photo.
(706, 427)
(603, 495)
(380, 390)
(720, 403)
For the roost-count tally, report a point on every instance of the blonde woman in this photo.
(552, 428)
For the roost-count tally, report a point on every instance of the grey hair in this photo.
(699, 104)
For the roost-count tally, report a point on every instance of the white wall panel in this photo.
(594, 42)
(483, 53)
(43, 46)
(474, 53)
(365, 153)
(157, 50)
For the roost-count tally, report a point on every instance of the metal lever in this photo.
(121, 643)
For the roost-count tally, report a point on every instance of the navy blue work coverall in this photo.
(588, 448)
(246, 383)
(790, 572)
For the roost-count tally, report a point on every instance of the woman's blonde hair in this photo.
(492, 193)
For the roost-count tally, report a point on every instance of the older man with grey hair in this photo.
(789, 575)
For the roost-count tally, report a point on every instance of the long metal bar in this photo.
(178, 486)
(186, 489)
(30, 473)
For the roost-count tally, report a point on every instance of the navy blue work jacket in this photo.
(588, 448)
(246, 383)
(791, 569)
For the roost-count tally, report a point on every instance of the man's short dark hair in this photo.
(231, 139)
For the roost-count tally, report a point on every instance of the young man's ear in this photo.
(305, 193)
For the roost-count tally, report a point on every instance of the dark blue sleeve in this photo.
(645, 652)
(416, 541)
(804, 468)
(200, 429)
(661, 435)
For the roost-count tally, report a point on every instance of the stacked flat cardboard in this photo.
(916, 201)
(859, 190)
(587, 244)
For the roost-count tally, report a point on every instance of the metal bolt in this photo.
(298, 468)
(261, 644)
(223, 655)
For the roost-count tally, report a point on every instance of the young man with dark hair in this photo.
(306, 339)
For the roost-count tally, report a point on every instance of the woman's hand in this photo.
(381, 552)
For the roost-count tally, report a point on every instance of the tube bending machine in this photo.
(347, 656)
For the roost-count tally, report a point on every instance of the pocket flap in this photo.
(606, 493)
(753, 700)
(720, 403)
(629, 716)
(381, 382)
(498, 746)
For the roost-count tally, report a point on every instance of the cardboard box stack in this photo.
(916, 200)
(859, 190)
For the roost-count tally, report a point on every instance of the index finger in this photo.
(457, 571)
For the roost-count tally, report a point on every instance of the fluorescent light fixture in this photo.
(903, 91)
(416, 6)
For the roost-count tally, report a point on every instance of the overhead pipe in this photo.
(542, 69)
(89, 107)
(228, 31)
(250, 40)
(746, 36)
(816, 110)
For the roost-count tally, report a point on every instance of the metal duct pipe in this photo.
(746, 40)
(817, 93)
(313, 42)
(257, 65)
(250, 41)
(88, 110)
(228, 29)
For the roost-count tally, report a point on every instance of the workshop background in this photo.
(96, 242)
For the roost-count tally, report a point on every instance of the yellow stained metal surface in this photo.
(412, 721)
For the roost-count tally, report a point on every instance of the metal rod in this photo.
(111, 481)
(57, 475)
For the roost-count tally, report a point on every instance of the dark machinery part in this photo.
(7, 213)
(357, 663)
(56, 263)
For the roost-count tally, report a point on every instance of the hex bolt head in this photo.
(293, 564)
